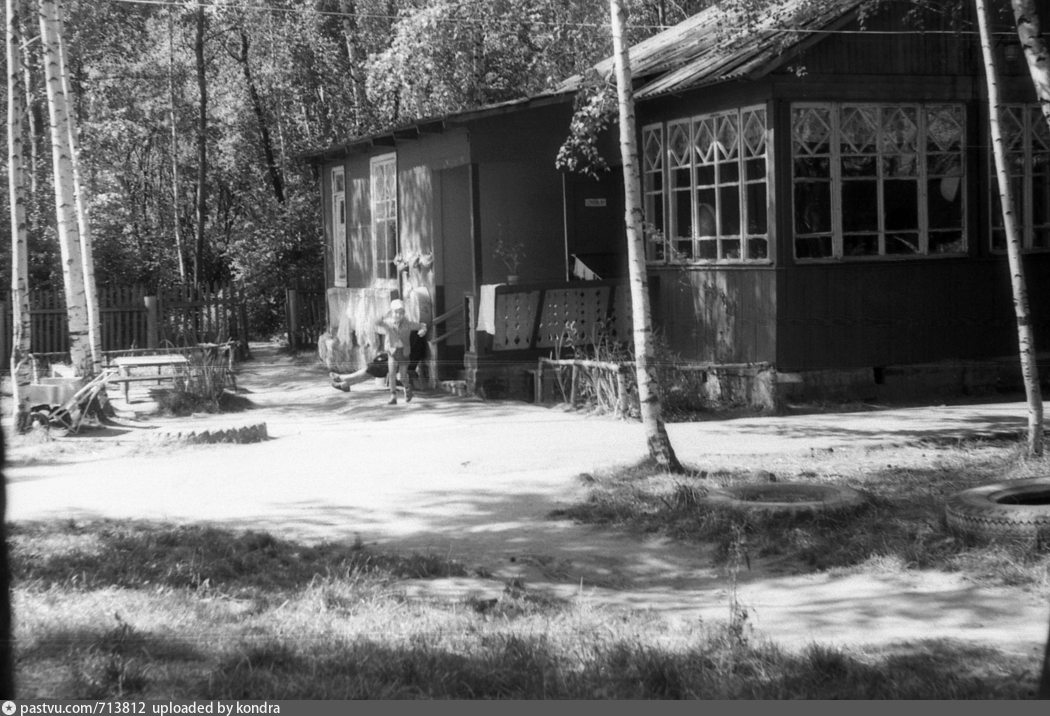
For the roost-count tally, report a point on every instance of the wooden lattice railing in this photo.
(539, 316)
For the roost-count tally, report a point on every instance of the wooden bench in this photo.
(178, 364)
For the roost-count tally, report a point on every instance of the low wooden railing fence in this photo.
(135, 317)
(304, 317)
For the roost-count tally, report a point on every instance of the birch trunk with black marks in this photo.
(65, 200)
(1025, 336)
(87, 252)
(1036, 51)
(20, 368)
(659, 443)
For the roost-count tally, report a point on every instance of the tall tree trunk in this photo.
(174, 150)
(20, 370)
(276, 180)
(34, 130)
(1025, 337)
(87, 254)
(202, 148)
(65, 210)
(356, 62)
(648, 386)
(7, 658)
(1029, 30)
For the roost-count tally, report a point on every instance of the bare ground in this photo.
(477, 481)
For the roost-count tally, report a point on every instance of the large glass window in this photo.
(714, 170)
(384, 215)
(339, 227)
(653, 186)
(877, 180)
(1027, 139)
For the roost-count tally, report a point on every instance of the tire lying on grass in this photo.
(786, 497)
(1014, 508)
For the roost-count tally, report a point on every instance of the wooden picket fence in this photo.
(305, 317)
(179, 315)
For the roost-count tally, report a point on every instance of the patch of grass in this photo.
(135, 555)
(334, 626)
(901, 524)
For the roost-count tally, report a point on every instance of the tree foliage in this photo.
(282, 77)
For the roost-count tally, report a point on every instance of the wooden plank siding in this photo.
(717, 315)
(895, 313)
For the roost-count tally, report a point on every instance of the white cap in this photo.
(396, 304)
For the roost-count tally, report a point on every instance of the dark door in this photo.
(595, 233)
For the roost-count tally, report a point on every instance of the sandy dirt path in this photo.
(476, 481)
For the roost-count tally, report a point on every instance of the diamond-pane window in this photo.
(678, 144)
(754, 134)
(900, 130)
(727, 137)
(944, 130)
(874, 180)
(705, 141)
(653, 151)
(715, 195)
(1027, 139)
(859, 129)
(811, 130)
(1011, 123)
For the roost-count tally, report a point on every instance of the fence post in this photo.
(621, 389)
(574, 383)
(537, 398)
(152, 322)
(292, 311)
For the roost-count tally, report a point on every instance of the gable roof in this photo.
(713, 46)
(718, 45)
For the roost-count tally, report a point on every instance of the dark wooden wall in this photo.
(891, 313)
(723, 315)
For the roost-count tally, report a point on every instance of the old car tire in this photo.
(786, 497)
(1014, 508)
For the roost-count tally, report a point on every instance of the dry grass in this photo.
(145, 611)
(901, 526)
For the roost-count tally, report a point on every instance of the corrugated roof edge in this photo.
(429, 125)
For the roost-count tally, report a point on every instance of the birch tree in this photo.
(202, 147)
(659, 443)
(19, 254)
(87, 258)
(1025, 336)
(1036, 51)
(65, 210)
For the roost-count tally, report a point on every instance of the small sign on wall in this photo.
(594, 203)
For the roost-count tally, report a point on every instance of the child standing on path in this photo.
(398, 330)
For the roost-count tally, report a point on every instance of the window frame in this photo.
(923, 175)
(339, 232)
(1032, 116)
(660, 202)
(384, 213)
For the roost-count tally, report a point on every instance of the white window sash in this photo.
(923, 152)
(671, 219)
(384, 212)
(339, 220)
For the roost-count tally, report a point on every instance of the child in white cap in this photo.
(398, 330)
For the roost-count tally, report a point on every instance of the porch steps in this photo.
(455, 387)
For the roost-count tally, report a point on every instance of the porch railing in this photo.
(549, 315)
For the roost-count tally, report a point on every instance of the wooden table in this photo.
(124, 364)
